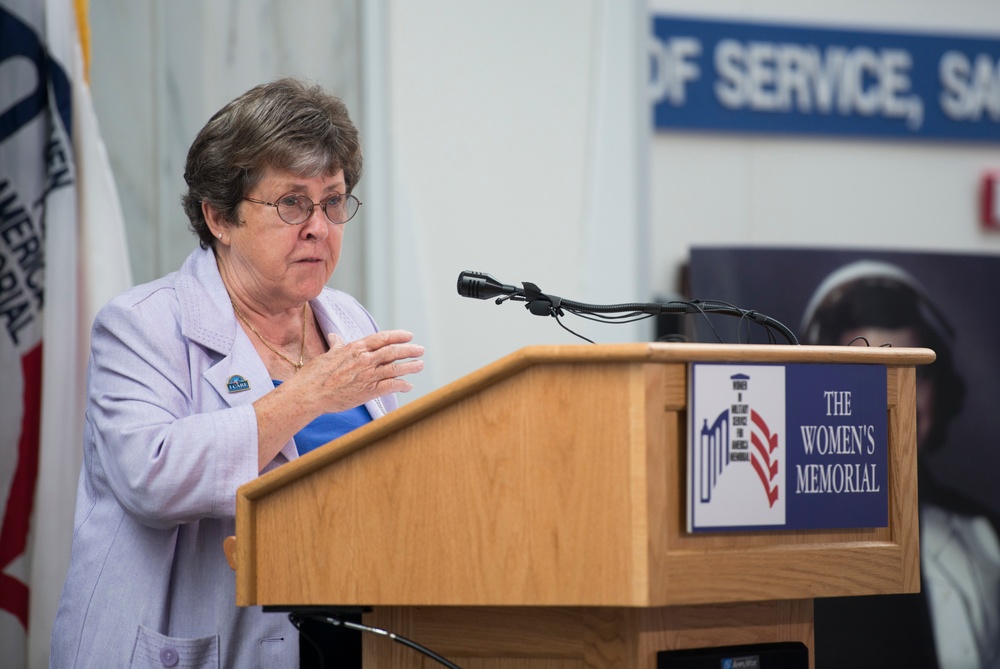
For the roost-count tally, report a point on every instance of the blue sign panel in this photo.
(750, 77)
(788, 447)
(837, 474)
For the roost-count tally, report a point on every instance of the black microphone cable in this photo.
(482, 286)
(296, 619)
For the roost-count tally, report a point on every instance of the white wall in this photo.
(780, 191)
(517, 134)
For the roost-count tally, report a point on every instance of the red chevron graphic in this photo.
(767, 471)
(772, 467)
(772, 493)
(772, 439)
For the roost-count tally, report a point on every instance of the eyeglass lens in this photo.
(295, 209)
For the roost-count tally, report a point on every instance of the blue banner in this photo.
(755, 77)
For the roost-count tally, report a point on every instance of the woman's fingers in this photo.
(373, 365)
(334, 340)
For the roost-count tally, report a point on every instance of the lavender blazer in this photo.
(170, 435)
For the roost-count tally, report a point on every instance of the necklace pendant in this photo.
(302, 347)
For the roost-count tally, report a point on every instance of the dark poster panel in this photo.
(948, 299)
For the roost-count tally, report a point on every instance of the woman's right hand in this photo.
(352, 373)
(346, 376)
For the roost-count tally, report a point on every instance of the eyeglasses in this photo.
(296, 209)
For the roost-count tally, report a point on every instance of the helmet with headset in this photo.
(875, 294)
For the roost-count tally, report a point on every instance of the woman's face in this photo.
(903, 338)
(284, 265)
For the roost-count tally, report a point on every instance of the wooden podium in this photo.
(531, 515)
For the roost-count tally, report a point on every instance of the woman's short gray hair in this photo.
(284, 125)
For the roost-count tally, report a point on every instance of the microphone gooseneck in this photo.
(483, 286)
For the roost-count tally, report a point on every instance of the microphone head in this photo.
(482, 286)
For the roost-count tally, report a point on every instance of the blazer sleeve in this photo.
(171, 449)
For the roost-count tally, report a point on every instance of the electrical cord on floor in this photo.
(297, 618)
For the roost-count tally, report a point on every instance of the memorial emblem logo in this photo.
(737, 447)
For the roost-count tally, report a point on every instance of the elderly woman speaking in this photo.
(238, 362)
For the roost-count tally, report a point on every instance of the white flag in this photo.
(62, 255)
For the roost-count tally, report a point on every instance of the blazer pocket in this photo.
(277, 652)
(157, 651)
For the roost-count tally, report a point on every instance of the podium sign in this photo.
(791, 447)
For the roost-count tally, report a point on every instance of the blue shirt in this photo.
(328, 427)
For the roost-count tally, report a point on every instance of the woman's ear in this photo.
(215, 221)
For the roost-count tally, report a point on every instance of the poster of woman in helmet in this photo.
(937, 301)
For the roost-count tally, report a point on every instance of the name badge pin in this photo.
(237, 384)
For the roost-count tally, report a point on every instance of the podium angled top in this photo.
(555, 476)
(583, 353)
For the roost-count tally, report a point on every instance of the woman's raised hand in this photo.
(352, 373)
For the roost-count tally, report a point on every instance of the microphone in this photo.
(482, 286)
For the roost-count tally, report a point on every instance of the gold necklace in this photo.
(302, 347)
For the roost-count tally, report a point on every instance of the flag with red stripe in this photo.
(57, 197)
